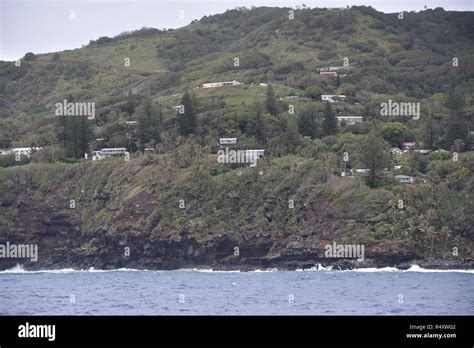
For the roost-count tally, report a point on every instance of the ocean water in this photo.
(318, 291)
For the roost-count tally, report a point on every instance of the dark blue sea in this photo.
(317, 291)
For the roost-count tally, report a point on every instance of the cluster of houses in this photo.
(22, 151)
(407, 146)
(395, 151)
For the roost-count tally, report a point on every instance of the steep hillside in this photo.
(320, 180)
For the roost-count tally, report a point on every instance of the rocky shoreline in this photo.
(242, 265)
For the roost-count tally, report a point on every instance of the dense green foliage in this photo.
(405, 61)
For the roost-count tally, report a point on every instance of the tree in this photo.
(307, 122)
(271, 102)
(428, 132)
(456, 128)
(313, 92)
(257, 125)
(374, 157)
(393, 133)
(75, 134)
(187, 115)
(130, 106)
(149, 122)
(330, 121)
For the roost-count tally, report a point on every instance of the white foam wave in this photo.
(413, 268)
(18, 269)
(207, 270)
(416, 268)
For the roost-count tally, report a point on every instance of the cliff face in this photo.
(141, 214)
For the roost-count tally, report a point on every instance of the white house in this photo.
(221, 84)
(395, 151)
(113, 151)
(227, 141)
(252, 155)
(331, 98)
(404, 179)
(350, 120)
(360, 171)
(26, 151)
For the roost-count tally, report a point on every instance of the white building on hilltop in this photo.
(221, 84)
(227, 141)
(350, 120)
(25, 151)
(331, 98)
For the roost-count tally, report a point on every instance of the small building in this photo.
(221, 84)
(263, 84)
(227, 141)
(395, 151)
(407, 145)
(359, 171)
(331, 98)
(130, 122)
(252, 155)
(331, 68)
(328, 73)
(112, 151)
(404, 179)
(26, 151)
(350, 120)
(327, 97)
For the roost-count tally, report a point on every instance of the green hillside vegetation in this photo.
(426, 57)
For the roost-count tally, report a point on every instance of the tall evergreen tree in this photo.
(256, 124)
(374, 157)
(307, 121)
(330, 120)
(187, 121)
(75, 133)
(271, 102)
(149, 123)
(456, 127)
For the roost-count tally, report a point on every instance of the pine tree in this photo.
(456, 128)
(330, 121)
(149, 122)
(259, 123)
(271, 102)
(187, 121)
(374, 157)
(307, 123)
(84, 136)
(75, 133)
